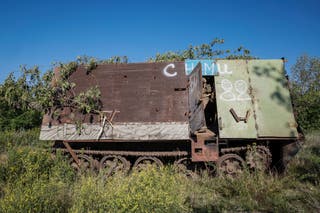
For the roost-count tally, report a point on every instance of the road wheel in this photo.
(258, 158)
(111, 164)
(230, 165)
(184, 166)
(145, 162)
(86, 164)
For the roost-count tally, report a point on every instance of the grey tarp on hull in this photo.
(119, 131)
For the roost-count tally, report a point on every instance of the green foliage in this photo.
(92, 63)
(239, 53)
(18, 100)
(19, 94)
(306, 91)
(203, 51)
(306, 166)
(32, 181)
(88, 101)
(12, 139)
(35, 182)
(19, 119)
(61, 92)
(146, 191)
(250, 192)
(40, 196)
(115, 60)
(23, 100)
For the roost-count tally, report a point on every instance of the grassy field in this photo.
(32, 181)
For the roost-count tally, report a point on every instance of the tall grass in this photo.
(11, 139)
(306, 166)
(32, 181)
(150, 190)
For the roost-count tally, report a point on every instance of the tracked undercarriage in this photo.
(231, 162)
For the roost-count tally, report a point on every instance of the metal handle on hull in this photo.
(238, 118)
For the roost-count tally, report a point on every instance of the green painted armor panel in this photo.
(234, 104)
(253, 100)
(272, 102)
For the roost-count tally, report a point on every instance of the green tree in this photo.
(18, 100)
(25, 98)
(211, 50)
(306, 91)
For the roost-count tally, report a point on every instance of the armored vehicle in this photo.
(230, 113)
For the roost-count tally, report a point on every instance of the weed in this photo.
(32, 181)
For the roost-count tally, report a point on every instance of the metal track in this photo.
(235, 149)
(242, 148)
(127, 153)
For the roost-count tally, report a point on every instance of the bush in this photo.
(40, 195)
(32, 181)
(250, 192)
(150, 190)
(306, 166)
(305, 89)
(11, 139)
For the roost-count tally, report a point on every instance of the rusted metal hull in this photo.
(156, 110)
(146, 101)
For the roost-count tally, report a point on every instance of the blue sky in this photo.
(42, 32)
